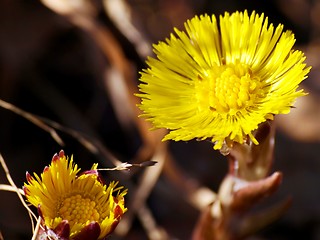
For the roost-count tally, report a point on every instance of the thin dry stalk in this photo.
(17, 190)
(36, 230)
(91, 144)
(9, 188)
(32, 118)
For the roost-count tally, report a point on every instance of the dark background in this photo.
(53, 69)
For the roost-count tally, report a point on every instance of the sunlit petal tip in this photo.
(63, 229)
(89, 232)
(29, 177)
(94, 173)
(90, 172)
(61, 154)
(55, 157)
(46, 168)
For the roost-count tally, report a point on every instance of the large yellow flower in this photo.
(75, 205)
(220, 81)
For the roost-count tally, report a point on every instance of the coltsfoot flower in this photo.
(75, 206)
(221, 80)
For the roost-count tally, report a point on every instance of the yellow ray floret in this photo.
(221, 80)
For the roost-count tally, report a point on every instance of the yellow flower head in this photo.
(220, 81)
(75, 205)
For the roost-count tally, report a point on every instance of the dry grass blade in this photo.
(36, 230)
(17, 190)
(93, 145)
(32, 118)
(9, 188)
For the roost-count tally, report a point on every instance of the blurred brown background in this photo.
(54, 69)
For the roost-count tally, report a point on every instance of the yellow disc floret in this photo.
(79, 210)
(228, 89)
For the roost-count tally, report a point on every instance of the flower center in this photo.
(228, 88)
(77, 209)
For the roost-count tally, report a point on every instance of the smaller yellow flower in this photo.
(75, 205)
